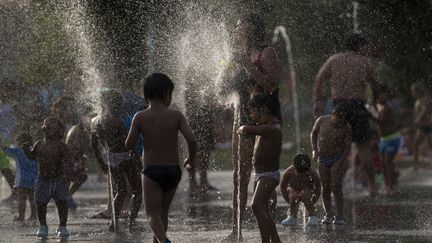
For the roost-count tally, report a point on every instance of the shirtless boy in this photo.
(159, 127)
(390, 137)
(52, 182)
(268, 145)
(422, 119)
(300, 183)
(331, 143)
(109, 131)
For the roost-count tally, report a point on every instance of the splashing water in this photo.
(355, 17)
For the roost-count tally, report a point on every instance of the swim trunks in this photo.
(166, 176)
(329, 161)
(358, 118)
(275, 175)
(390, 144)
(47, 189)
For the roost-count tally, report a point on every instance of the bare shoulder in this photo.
(323, 119)
(175, 114)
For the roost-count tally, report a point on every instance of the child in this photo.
(390, 138)
(52, 183)
(109, 131)
(268, 145)
(300, 183)
(159, 127)
(25, 176)
(334, 135)
(422, 119)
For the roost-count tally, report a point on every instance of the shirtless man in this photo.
(349, 73)
(422, 119)
(331, 140)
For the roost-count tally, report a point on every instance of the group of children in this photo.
(51, 160)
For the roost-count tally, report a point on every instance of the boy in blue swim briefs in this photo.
(159, 126)
(390, 137)
(331, 143)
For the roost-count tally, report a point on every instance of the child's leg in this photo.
(153, 197)
(21, 198)
(134, 177)
(294, 202)
(62, 210)
(366, 163)
(41, 212)
(166, 202)
(307, 198)
(325, 176)
(30, 196)
(263, 192)
(121, 183)
(388, 162)
(418, 140)
(337, 175)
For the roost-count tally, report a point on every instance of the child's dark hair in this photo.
(263, 102)
(302, 163)
(157, 85)
(60, 126)
(342, 111)
(355, 41)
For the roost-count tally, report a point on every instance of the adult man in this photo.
(349, 73)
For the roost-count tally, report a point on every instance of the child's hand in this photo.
(241, 130)
(314, 155)
(188, 164)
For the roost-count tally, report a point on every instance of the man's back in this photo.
(159, 128)
(349, 73)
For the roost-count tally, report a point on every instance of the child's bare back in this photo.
(291, 179)
(159, 127)
(332, 137)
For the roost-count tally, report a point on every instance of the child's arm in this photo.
(31, 154)
(97, 153)
(323, 74)
(261, 130)
(133, 134)
(314, 138)
(286, 177)
(191, 141)
(420, 113)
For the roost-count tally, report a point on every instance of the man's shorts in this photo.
(358, 118)
(47, 189)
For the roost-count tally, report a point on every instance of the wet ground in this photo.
(404, 217)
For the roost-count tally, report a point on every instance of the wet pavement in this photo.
(403, 217)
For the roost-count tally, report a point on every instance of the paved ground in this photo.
(405, 216)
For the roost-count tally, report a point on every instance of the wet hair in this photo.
(59, 125)
(342, 111)
(112, 99)
(263, 102)
(302, 163)
(157, 85)
(355, 41)
(256, 28)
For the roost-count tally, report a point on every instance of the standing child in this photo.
(268, 146)
(300, 183)
(422, 119)
(159, 127)
(390, 138)
(109, 131)
(25, 176)
(51, 183)
(331, 143)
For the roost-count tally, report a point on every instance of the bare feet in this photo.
(19, 218)
(112, 227)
